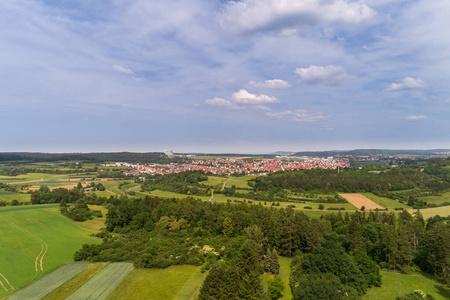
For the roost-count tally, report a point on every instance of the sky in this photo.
(249, 76)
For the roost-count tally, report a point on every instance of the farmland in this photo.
(159, 284)
(35, 241)
(103, 283)
(49, 283)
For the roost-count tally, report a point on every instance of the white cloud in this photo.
(408, 83)
(447, 100)
(121, 69)
(328, 75)
(138, 79)
(271, 84)
(415, 118)
(249, 15)
(297, 115)
(244, 97)
(218, 102)
(223, 103)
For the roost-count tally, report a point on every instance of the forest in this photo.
(233, 242)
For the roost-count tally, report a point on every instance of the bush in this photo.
(307, 207)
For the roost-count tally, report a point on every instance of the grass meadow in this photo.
(158, 284)
(397, 284)
(437, 199)
(443, 211)
(385, 202)
(285, 271)
(34, 241)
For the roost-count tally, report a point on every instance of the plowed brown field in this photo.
(359, 200)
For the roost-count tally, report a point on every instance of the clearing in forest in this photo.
(359, 201)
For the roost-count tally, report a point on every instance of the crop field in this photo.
(14, 196)
(385, 202)
(157, 284)
(359, 201)
(34, 241)
(397, 284)
(285, 272)
(443, 211)
(437, 199)
(71, 286)
(103, 283)
(49, 283)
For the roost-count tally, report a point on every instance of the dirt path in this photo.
(212, 195)
(225, 183)
(359, 201)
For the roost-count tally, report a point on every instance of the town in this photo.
(229, 166)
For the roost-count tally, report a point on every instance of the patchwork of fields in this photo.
(35, 241)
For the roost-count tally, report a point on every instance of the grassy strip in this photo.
(191, 287)
(385, 202)
(285, 272)
(397, 284)
(155, 284)
(103, 283)
(70, 287)
(51, 282)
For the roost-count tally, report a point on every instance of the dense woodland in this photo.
(232, 240)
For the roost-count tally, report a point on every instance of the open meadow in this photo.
(34, 241)
(159, 284)
(397, 284)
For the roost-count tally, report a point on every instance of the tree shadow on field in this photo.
(444, 292)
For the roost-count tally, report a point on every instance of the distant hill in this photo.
(131, 157)
(371, 152)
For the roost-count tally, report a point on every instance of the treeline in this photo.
(153, 232)
(131, 157)
(183, 183)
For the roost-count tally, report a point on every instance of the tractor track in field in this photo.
(38, 263)
(4, 278)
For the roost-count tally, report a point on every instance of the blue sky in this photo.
(224, 76)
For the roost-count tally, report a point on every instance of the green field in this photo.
(443, 211)
(437, 199)
(385, 202)
(239, 183)
(285, 272)
(157, 284)
(215, 181)
(34, 241)
(73, 285)
(103, 283)
(15, 196)
(49, 283)
(397, 284)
